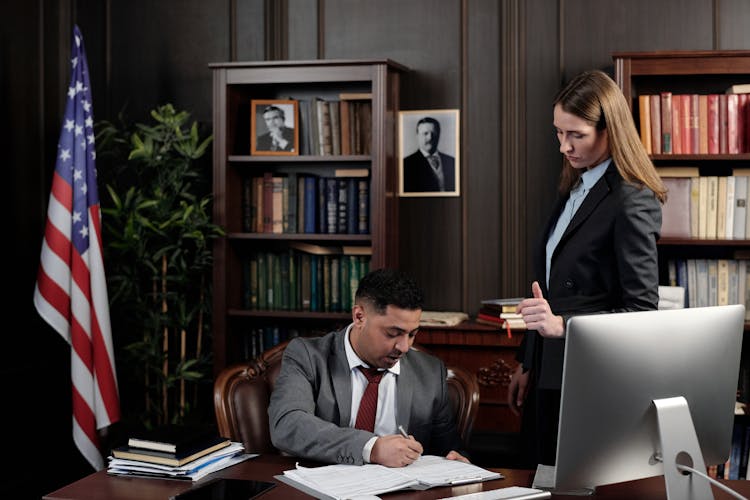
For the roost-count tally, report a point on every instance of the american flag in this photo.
(71, 291)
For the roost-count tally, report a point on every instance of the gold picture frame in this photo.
(281, 115)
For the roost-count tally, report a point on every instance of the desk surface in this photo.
(100, 485)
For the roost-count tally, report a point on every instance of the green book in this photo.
(276, 290)
(262, 281)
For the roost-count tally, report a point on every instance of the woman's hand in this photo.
(538, 316)
(517, 389)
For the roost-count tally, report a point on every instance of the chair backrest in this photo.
(242, 393)
(241, 396)
(463, 390)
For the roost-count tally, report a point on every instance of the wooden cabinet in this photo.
(487, 352)
(235, 85)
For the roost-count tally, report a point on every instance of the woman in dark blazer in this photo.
(597, 253)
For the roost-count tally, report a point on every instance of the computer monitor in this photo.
(616, 365)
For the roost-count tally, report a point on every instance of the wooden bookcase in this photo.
(689, 72)
(235, 85)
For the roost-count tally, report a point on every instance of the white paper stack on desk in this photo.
(346, 481)
(193, 470)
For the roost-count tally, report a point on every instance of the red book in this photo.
(742, 122)
(733, 143)
(702, 124)
(723, 143)
(694, 125)
(677, 125)
(713, 124)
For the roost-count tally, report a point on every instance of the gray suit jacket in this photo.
(310, 406)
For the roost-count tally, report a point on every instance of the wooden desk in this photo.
(490, 354)
(100, 486)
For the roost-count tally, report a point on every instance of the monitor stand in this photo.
(679, 445)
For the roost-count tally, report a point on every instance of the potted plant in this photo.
(157, 234)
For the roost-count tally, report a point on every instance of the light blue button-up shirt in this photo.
(575, 200)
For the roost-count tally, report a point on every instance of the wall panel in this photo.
(430, 228)
(482, 187)
(734, 24)
(161, 51)
(249, 25)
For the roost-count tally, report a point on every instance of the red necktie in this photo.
(368, 406)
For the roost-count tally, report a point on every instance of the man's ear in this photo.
(358, 315)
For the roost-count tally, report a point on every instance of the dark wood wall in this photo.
(498, 62)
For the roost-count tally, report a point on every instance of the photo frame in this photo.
(420, 176)
(281, 115)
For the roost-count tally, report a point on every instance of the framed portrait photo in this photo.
(274, 127)
(428, 152)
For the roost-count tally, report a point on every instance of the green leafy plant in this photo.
(156, 234)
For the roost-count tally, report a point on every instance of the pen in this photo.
(465, 480)
(402, 431)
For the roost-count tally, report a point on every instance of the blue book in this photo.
(352, 207)
(311, 198)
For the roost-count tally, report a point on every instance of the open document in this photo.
(339, 482)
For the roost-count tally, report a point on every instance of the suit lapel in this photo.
(598, 192)
(404, 389)
(341, 379)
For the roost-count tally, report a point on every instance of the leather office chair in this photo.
(242, 393)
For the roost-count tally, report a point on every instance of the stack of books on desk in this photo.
(501, 313)
(167, 453)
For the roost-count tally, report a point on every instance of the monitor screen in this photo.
(617, 364)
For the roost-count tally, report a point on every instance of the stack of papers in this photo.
(346, 481)
(192, 471)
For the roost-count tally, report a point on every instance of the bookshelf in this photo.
(240, 323)
(702, 73)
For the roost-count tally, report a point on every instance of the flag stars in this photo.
(84, 232)
(86, 105)
(79, 129)
(89, 122)
(69, 125)
(76, 217)
(90, 138)
(79, 86)
(84, 188)
(65, 154)
(71, 92)
(77, 174)
(93, 155)
(83, 144)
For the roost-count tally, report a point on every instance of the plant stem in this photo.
(165, 342)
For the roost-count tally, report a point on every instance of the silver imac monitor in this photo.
(617, 365)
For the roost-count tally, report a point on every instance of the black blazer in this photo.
(265, 141)
(606, 261)
(419, 176)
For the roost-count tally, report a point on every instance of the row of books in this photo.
(304, 278)
(340, 126)
(175, 452)
(672, 123)
(260, 339)
(306, 203)
(712, 282)
(707, 207)
(736, 465)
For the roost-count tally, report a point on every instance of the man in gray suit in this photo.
(314, 407)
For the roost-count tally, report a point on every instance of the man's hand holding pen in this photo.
(396, 450)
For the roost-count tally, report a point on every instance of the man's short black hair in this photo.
(384, 287)
(274, 108)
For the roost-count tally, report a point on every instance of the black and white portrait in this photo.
(429, 153)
